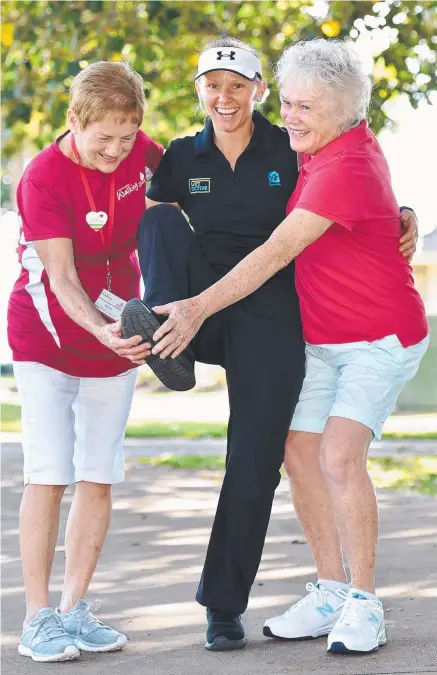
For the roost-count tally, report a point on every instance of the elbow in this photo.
(280, 256)
(58, 284)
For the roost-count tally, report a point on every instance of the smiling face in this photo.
(309, 121)
(103, 145)
(229, 98)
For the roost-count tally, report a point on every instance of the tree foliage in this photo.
(45, 44)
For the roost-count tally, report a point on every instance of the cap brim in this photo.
(244, 72)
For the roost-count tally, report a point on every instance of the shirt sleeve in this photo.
(43, 214)
(336, 192)
(165, 186)
(154, 152)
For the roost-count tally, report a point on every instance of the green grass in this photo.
(11, 421)
(418, 474)
(10, 417)
(152, 429)
(190, 462)
(176, 429)
(407, 473)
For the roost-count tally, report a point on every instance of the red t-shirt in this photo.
(353, 284)
(52, 203)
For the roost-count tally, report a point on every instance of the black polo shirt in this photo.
(231, 212)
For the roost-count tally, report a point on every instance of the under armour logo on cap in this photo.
(221, 56)
(236, 60)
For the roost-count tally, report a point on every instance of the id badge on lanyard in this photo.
(107, 303)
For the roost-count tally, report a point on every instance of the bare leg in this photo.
(344, 448)
(87, 526)
(39, 525)
(312, 503)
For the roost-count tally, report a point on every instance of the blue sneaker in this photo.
(88, 633)
(45, 640)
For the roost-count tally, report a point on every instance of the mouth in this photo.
(109, 160)
(226, 113)
(297, 133)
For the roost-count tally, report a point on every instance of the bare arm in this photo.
(185, 317)
(57, 258)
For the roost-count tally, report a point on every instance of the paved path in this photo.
(158, 447)
(150, 566)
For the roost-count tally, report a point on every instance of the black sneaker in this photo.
(176, 374)
(225, 631)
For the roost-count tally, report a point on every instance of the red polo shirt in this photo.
(52, 203)
(353, 283)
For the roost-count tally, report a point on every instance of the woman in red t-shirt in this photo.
(363, 321)
(80, 201)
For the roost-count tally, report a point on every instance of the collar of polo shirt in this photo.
(233, 59)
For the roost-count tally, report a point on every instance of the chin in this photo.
(106, 168)
(300, 146)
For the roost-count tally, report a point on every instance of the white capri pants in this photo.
(73, 427)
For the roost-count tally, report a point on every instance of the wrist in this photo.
(98, 331)
(201, 304)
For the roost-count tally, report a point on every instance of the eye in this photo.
(305, 107)
(238, 85)
(127, 138)
(212, 86)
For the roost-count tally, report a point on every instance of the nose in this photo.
(223, 96)
(291, 115)
(114, 148)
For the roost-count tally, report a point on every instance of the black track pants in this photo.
(259, 343)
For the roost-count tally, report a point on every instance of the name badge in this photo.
(109, 304)
(199, 185)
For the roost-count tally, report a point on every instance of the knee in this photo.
(52, 493)
(297, 458)
(163, 218)
(94, 491)
(338, 466)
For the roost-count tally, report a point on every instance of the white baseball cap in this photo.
(236, 60)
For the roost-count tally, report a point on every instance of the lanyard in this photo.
(111, 212)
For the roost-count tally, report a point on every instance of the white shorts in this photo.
(357, 380)
(73, 427)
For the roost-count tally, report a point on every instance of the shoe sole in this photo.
(120, 644)
(340, 648)
(223, 644)
(69, 654)
(268, 633)
(175, 374)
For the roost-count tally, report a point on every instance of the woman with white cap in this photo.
(233, 180)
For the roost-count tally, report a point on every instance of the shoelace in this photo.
(317, 595)
(50, 627)
(86, 619)
(353, 611)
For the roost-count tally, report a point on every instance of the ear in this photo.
(262, 92)
(73, 122)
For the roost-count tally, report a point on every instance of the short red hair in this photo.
(107, 87)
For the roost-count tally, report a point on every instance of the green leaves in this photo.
(44, 44)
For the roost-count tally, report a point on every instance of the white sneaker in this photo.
(360, 628)
(311, 617)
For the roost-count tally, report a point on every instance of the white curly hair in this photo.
(333, 70)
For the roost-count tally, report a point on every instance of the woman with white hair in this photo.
(364, 325)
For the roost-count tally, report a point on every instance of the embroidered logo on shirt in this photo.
(274, 178)
(131, 187)
(199, 185)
